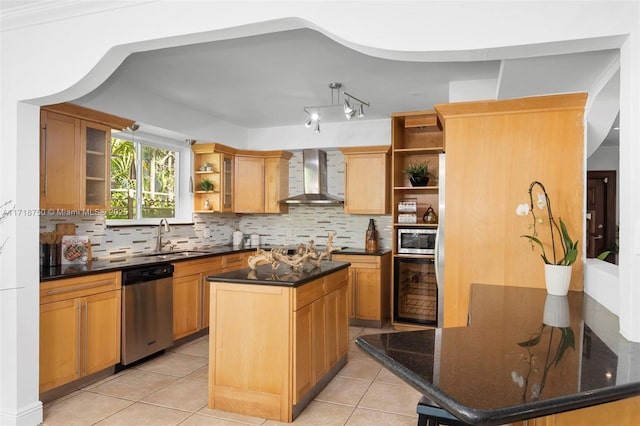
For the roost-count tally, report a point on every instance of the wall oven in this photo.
(415, 298)
(416, 241)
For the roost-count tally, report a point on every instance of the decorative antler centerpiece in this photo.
(304, 254)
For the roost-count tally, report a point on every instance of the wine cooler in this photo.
(415, 291)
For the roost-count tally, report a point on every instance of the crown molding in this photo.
(15, 14)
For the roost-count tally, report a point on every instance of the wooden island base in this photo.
(273, 347)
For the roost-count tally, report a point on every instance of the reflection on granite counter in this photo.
(284, 275)
(520, 357)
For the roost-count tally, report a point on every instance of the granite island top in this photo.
(284, 275)
(524, 354)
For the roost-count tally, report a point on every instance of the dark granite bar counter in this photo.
(284, 275)
(524, 354)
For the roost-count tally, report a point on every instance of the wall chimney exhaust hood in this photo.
(314, 180)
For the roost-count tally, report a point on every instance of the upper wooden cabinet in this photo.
(213, 163)
(367, 172)
(75, 157)
(242, 181)
(261, 180)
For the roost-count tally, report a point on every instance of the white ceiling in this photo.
(266, 80)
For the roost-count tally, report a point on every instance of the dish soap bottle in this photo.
(371, 239)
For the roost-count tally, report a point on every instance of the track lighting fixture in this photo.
(352, 107)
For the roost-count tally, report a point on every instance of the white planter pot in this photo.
(557, 279)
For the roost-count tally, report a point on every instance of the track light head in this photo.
(352, 107)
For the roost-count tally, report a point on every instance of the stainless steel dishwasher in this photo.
(147, 311)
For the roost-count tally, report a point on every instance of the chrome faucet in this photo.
(159, 244)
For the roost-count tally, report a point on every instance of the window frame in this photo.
(184, 205)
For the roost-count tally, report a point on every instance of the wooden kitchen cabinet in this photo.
(367, 172)
(220, 159)
(416, 137)
(75, 157)
(191, 290)
(187, 301)
(261, 181)
(79, 327)
(369, 288)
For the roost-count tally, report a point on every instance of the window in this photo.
(144, 181)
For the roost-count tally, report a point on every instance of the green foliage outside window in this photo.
(157, 168)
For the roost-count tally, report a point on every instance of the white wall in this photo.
(52, 55)
(332, 135)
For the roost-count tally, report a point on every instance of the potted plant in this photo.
(418, 172)
(557, 268)
(206, 185)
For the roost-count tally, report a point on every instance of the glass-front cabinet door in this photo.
(227, 183)
(95, 143)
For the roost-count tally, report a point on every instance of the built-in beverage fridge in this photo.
(415, 295)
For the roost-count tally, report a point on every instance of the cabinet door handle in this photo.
(77, 287)
(44, 155)
(78, 359)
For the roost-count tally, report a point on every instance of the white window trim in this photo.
(184, 201)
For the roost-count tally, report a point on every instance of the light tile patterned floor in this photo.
(172, 390)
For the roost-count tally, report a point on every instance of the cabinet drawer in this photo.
(308, 293)
(359, 261)
(336, 280)
(69, 288)
(191, 267)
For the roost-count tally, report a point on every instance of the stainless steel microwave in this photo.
(417, 240)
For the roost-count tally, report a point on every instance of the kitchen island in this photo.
(524, 355)
(276, 338)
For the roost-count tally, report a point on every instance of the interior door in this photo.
(601, 213)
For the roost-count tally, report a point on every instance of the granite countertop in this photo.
(126, 262)
(284, 275)
(524, 354)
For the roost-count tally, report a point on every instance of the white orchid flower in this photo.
(522, 209)
(542, 201)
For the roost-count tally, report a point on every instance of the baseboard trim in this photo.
(28, 416)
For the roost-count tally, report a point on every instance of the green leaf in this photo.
(539, 243)
(534, 340)
(567, 341)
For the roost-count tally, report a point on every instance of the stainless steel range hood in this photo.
(314, 180)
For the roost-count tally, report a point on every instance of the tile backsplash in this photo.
(301, 224)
